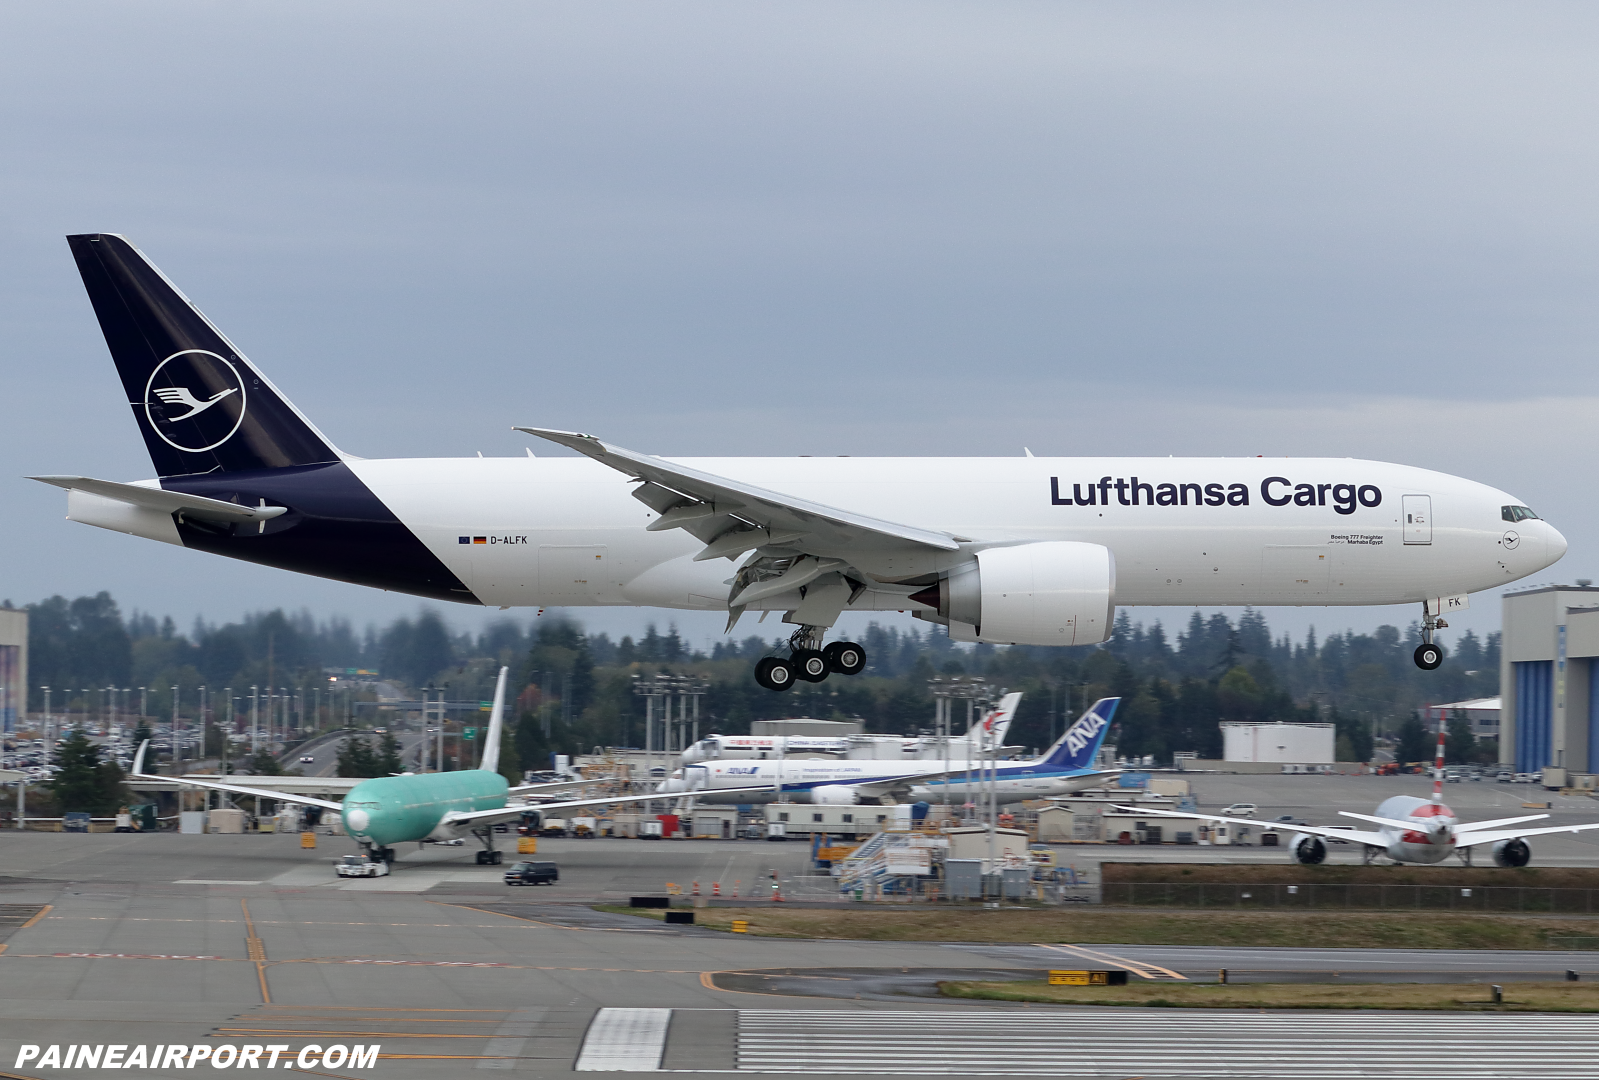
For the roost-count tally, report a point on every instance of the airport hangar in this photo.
(1549, 680)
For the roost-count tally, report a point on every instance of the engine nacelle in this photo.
(1512, 853)
(835, 795)
(1052, 592)
(1308, 849)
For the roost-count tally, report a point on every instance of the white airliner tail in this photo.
(491, 744)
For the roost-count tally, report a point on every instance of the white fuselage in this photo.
(802, 780)
(565, 531)
(1433, 838)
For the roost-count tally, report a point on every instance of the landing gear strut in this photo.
(1428, 655)
(378, 854)
(488, 856)
(807, 660)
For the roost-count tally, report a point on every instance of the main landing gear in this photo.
(488, 856)
(805, 661)
(1428, 655)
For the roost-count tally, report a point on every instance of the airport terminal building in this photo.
(1549, 684)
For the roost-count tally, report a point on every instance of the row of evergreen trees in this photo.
(577, 689)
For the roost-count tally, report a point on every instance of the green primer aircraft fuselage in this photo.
(396, 809)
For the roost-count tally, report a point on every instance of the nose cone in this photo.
(1554, 543)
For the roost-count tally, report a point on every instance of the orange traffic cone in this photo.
(716, 888)
(696, 888)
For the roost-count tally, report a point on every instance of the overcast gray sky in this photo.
(833, 228)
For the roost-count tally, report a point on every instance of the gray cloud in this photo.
(812, 228)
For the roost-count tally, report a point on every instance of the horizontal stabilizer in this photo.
(163, 501)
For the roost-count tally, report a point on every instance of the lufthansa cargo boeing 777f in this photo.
(1035, 551)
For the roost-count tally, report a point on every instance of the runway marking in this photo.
(352, 961)
(624, 1040)
(1098, 1043)
(1138, 967)
(257, 951)
(550, 925)
(31, 922)
(215, 881)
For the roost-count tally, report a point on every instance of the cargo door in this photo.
(1418, 519)
(570, 575)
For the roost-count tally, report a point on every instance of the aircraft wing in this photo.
(1499, 823)
(553, 785)
(469, 817)
(138, 773)
(726, 513)
(1494, 836)
(1371, 839)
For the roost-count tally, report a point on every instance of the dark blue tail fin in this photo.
(201, 406)
(1076, 748)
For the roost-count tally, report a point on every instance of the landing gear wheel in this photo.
(495, 857)
(383, 854)
(845, 657)
(810, 665)
(1428, 657)
(774, 673)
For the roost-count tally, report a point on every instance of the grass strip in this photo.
(1354, 930)
(1433, 997)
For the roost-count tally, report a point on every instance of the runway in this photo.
(246, 940)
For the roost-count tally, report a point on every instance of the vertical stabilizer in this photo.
(1077, 748)
(200, 405)
(491, 745)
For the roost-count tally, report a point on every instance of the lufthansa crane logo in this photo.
(194, 400)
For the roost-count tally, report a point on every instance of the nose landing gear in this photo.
(808, 662)
(1428, 655)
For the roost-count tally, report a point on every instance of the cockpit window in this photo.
(1517, 513)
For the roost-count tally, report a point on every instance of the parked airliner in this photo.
(989, 735)
(1065, 767)
(1411, 830)
(441, 806)
(1026, 550)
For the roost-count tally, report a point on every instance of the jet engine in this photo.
(1308, 849)
(1052, 592)
(835, 795)
(1512, 853)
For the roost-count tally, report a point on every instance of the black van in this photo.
(532, 873)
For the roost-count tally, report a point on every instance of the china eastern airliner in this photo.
(1026, 550)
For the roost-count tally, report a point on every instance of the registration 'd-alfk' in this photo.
(1023, 550)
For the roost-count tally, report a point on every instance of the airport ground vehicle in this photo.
(532, 873)
(307, 759)
(1241, 809)
(1023, 550)
(361, 866)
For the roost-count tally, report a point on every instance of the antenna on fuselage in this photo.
(491, 745)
